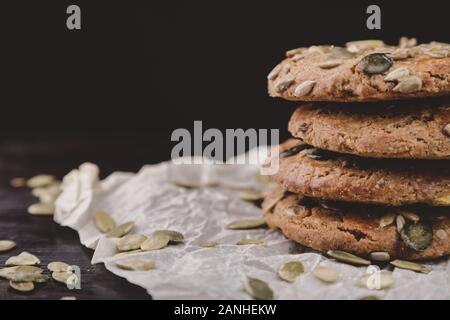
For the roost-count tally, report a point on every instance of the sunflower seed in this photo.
(380, 256)
(291, 270)
(274, 73)
(29, 277)
(121, 230)
(271, 202)
(409, 84)
(22, 286)
(155, 242)
(375, 63)
(208, 244)
(407, 265)
(67, 278)
(284, 83)
(357, 46)
(258, 289)
(10, 272)
(441, 234)
(342, 53)
(406, 42)
(23, 259)
(330, 64)
(348, 258)
(304, 88)
(68, 298)
(400, 221)
(103, 221)
(417, 236)
(41, 180)
(326, 274)
(400, 54)
(173, 235)
(41, 209)
(244, 242)
(18, 182)
(447, 129)
(378, 280)
(246, 224)
(6, 245)
(294, 52)
(387, 220)
(250, 195)
(397, 74)
(136, 265)
(131, 242)
(58, 266)
(439, 54)
(410, 216)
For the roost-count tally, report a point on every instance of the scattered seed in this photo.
(41, 209)
(441, 234)
(155, 242)
(348, 258)
(409, 84)
(407, 265)
(400, 221)
(380, 256)
(131, 242)
(330, 64)
(244, 242)
(173, 235)
(291, 270)
(304, 88)
(103, 221)
(208, 244)
(18, 182)
(246, 224)
(22, 286)
(387, 220)
(250, 195)
(20, 276)
(8, 272)
(370, 298)
(417, 236)
(136, 265)
(284, 83)
(58, 266)
(68, 298)
(378, 280)
(326, 274)
(397, 74)
(67, 278)
(41, 180)
(121, 230)
(258, 289)
(274, 73)
(375, 63)
(23, 259)
(6, 245)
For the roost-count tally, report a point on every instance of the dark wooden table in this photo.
(41, 235)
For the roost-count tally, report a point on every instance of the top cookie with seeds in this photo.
(366, 70)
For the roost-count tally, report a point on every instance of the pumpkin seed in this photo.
(258, 289)
(103, 221)
(136, 265)
(378, 280)
(370, 298)
(173, 235)
(41, 209)
(284, 83)
(131, 242)
(400, 221)
(274, 73)
(68, 298)
(407, 265)
(417, 236)
(330, 64)
(357, 46)
(293, 52)
(380, 256)
(348, 258)
(375, 63)
(447, 129)
(40, 180)
(341, 52)
(18, 182)
(54, 189)
(23, 259)
(208, 244)
(10, 272)
(250, 195)
(29, 277)
(244, 242)
(397, 74)
(291, 270)
(326, 274)
(441, 234)
(409, 85)
(387, 220)
(410, 216)
(246, 224)
(6, 245)
(58, 266)
(22, 286)
(121, 230)
(67, 278)
(304, 88)
(272, 201)
(155, 242)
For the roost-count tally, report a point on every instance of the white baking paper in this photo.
(188, 271)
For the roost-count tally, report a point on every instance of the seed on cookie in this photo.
(447, 129)
(387, 220)
(293, 52)
(330, 64)
(397, 74)
(400, 222)
(409, 85)
(357, 46)
(417, 236)
(274, 73)
(342, 53)
(410, 215)
(441, 234)
(439, 54)
(406, 42)
(375, 63)
(284, 83)
(304, 88)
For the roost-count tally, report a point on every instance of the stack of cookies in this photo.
(368, 168)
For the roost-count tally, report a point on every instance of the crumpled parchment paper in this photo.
(188, 271)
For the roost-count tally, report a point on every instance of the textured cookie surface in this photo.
(328, 175)
(364, 71)
(355, 228)
(409, 129)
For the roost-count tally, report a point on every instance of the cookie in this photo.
(364, 71)
(332, 176)
(360, 229)
(409, 129)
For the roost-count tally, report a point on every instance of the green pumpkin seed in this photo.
(6, 245)
(41, 209)
(417, 236)
(244, 242)
(258, 289)
(326, 274)
(58, 266)
(130, 242)
(387, 220)
(22, 286)
(18, 182)
(67, 278)
(174, 236)
(246, 224)
(136, 265)
(121, 230)
(208, 244)
(155, 242)
(291, 270)
(375, 63)
(250, 195)
(380, 256)
(104, 222)
(40, 180)
(379, 280)
(407, 265)
(348, 258)
(23, 259)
